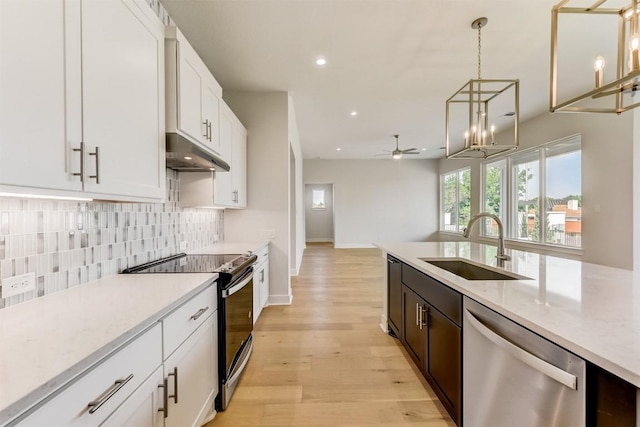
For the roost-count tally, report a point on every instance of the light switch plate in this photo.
(17, 285)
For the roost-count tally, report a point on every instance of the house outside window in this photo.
(540, 199)
(455, 193)
(317, 201)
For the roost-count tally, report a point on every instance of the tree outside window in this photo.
(456, 200)
(317, 200)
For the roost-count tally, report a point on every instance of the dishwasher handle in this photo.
(553, 372)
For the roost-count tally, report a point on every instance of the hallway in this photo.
(323, 361)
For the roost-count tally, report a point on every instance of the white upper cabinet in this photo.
(239, 171)
(35, 150)
(231, 187)
(123, 98)
(92, 118)
(193, 95)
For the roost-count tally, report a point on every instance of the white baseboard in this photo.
(280, 299)
(353, 245)
(320, 240)
(384, 323)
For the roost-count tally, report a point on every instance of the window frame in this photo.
(459, 229)
(510, 211)
(324, 201)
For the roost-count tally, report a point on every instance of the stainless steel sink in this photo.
(471, 271)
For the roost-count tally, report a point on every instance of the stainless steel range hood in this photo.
(185, 156)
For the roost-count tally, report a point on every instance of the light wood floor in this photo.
(324, 361)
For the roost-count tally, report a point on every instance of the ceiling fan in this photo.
(397, 153)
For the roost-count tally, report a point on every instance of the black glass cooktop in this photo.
(184, 263)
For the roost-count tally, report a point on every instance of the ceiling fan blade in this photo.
(409, 150)
(412, 152)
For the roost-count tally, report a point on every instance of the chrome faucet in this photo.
(501, 255)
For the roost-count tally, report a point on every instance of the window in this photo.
(494, 194)
(455, 190)
(540, 199)
(317, 200)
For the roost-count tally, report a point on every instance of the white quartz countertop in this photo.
(589, 309)
(47, 341)
(231, 248)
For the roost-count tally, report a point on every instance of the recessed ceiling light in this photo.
(338, 149)
(424, 149)
(321, 61)
(188, 158)
(354, 113)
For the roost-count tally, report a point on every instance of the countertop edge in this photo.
(581, 351)
(46, 391)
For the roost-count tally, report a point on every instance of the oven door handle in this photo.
(235, 288)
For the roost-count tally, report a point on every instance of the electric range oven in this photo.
(235, 306)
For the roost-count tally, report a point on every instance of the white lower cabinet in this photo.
(144, 408)
(192, 374)
(260, 282)
(167, 376)
(96, 395)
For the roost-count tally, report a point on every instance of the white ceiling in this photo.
(395, 62)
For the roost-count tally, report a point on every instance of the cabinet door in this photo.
(444, 364)
(415, 331)
(192, 376)
(143, 408)
(33, 128)
(239, 169)
(263, 283)
(190, 85)
(223, 192)
(211, 118)
(394, 296)
(123, 98)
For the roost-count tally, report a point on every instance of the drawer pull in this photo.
(165, 397)
(199, 313)
(174, 374)
(117, 385)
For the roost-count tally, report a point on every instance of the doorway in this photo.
(319, 213)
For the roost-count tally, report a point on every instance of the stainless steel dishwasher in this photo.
(513, 377)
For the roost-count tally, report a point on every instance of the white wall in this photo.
(380, 200)
(296, 202)
(265, 115)
(607, 179)
(318, 222)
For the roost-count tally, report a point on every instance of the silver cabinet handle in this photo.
(418, 314)
(553, 372)
(390, 261)
(199, 313)
(209, 132)
(97, 175)
(206, 128)
(117, 385)
(174, 374)
(262, 276)
(81, 151)
(165, 397)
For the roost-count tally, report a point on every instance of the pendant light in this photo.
(480, 110)
(604, 34)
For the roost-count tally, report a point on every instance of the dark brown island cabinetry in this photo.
(394, 296)
(430, 329)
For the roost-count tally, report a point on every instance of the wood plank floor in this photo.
(324, 361)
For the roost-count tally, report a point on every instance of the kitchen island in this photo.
(590, 310)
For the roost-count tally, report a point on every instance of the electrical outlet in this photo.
(183, 246)
(17, 285)
(268, 233)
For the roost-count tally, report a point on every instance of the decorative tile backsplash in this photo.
(68, 243)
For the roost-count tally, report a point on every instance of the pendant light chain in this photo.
(479, 47)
